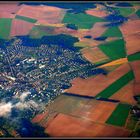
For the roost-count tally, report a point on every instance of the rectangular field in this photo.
(92, 87)
(5, 27)
(119, 116)
(68, 126)
(83, 21)
(114, 49)
(125, 94)
(134, 57)
(112, 32)
(114, 87)
(99, 112)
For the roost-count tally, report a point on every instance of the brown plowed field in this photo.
(93, 86)
(6, 15)
(94, 54)
(132, 43)
(131, 34)
(98, 29)
(101, 111)
(64, 125)
(125, 94)
(41, 12)
(20, 27)
(9, 8)
(130, 27)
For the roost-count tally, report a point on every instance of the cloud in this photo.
(21, 105)
(26, 105)
(23, 96)
(5, 109)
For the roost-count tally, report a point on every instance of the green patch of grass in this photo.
(5, 27)
(119, 115)
(125, 11)
(138, 13)
(83, 21)
(134, 57)
(114, 87)
(26, 19)
(114, 49)
(112, 32)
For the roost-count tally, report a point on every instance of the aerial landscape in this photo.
(69, 69)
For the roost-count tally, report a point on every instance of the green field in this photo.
(114, 87)
(112, 32)
(83, 21)
(114, 49)
(5, 27)
(26, 19)
(125, 11)
(119, 115)
(138, 13)
(134, 57)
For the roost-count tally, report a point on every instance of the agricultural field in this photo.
(69, 69)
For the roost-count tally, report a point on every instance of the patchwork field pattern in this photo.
(98, 45)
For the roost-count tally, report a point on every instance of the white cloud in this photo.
(21, 105)
(26, 105)
(5, 109)
(23, 96)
